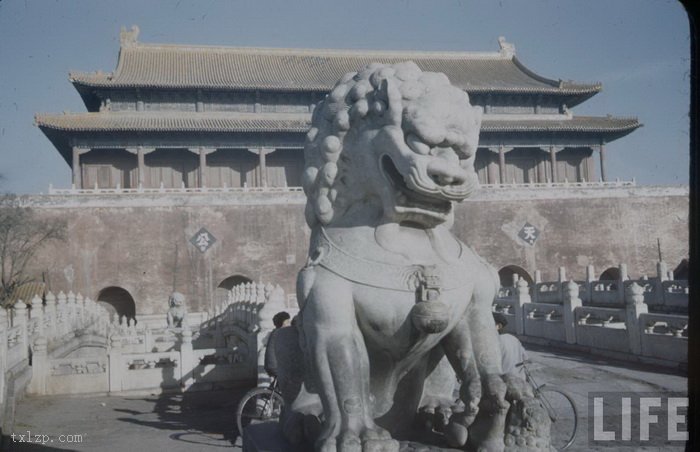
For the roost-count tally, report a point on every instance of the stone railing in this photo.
(163, 190)
(31, 332)
(96, 190)
(618, 323)
(662, 294)
(565, 184)
(211, 349)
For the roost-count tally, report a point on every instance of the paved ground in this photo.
(204, 421)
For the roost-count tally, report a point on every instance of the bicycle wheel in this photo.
(258, 405)
(562, 412)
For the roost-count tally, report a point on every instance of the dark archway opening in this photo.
(507, 275)
(227, 284)
(118, 302)
(231, 281)
(611, 274)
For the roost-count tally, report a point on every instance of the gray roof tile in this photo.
(171, 66)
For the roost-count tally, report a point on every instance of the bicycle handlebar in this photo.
(527, 361)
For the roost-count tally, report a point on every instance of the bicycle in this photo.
(560, 407)
(260, 404)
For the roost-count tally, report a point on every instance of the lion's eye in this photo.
(417, 145)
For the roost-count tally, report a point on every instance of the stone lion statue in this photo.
(388, 291)
(177, 313)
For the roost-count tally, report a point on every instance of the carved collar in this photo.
(405, 278)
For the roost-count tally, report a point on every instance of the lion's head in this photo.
(394, 142)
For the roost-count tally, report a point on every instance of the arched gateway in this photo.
(117, 301)
(507, 275)
(227, 284)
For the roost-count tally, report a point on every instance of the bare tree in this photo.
(22, 234)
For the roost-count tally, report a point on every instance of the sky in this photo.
(638, 49)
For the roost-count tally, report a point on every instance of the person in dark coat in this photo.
(280, 320)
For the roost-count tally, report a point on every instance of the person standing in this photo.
(280, 320)
(512, 351)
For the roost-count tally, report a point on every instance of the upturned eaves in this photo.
(150, 66)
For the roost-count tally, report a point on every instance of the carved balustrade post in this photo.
(590, 277)
(50, 314)
(634, 307)
(147, 340)
(187, 362)
(19, 319)
(80, 311)
(117, 367)
(40, 367)
(249, 304)
(621, 283)
(522, 298)
(562, 280)
(234, 304)
(61, 314)
(70, 312)
(535, 292)
(37, 316)
(538, 276)
(571, 302)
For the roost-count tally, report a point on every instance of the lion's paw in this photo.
(377, 439)
(371, 440)
(528, 427)
(349, 442)
(326, 445)
(380, 445)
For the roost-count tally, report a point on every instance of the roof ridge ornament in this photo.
(128, 38)
(507, 48)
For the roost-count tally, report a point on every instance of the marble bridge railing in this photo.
(118, 190)
(215, 349)
(31, 333)
(211, 349)
(67, 344)
(662, 294)
(640, 320)
(96, 190)
(565, 184)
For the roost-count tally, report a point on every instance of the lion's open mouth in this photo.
(411, 199)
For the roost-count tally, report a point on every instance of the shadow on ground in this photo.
(7, 443)
(563, 354)
(196, 418)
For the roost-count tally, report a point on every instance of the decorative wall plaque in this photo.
(529, 234)
(203, 240)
